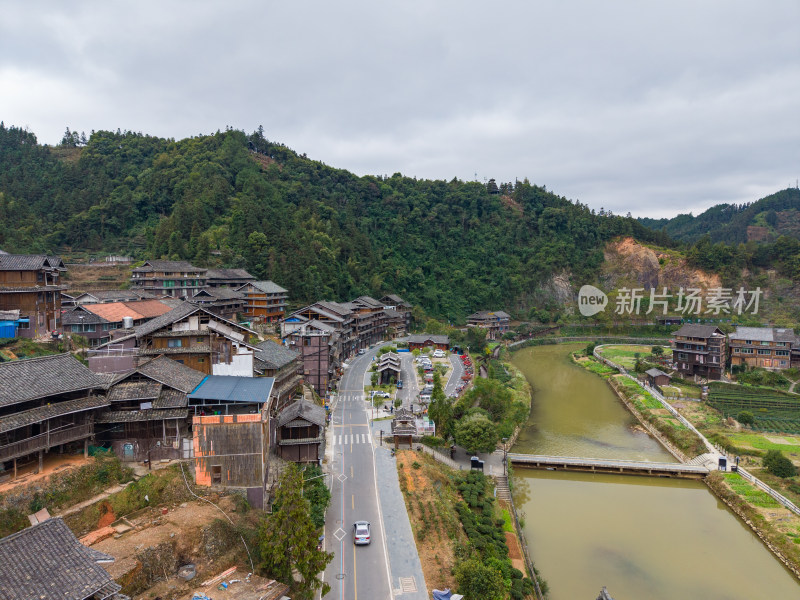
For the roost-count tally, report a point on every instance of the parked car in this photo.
(383, 394)
(361, 351)
(399, 385)
(438, 354)
(361, 535)
(424, 397)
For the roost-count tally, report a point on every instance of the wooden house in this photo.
(319, 345)
(301, 432)
(221, 301)
(496, 323)
(265, 301)
(47, 562)
(106, 296)
(765, 347)
(148, 415)
(31, 284)
(438, 342)
(228, 394)
(284, 364)
(188, 334)
(228, 278)
(699, 350)
(388, 368)
(657, 377)
(95, 322)
(394, 304)
(46, 403)
(175, 278)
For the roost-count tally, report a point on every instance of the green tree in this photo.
(746, 418)
(657, 350)
(288, 539)
(440, 409)
(779, 465)
(476, 433)
(478, 580)
(317, 493)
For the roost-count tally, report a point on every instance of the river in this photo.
(644, 538)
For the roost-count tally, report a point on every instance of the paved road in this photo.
(355, 571)
(455, 374)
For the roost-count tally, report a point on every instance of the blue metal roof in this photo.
(231, 388)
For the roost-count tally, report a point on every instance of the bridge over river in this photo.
(605, 465)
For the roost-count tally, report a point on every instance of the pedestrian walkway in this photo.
(351, 438)
(408, 580)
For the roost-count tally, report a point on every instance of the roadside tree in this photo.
(477, 580)
(476, 433)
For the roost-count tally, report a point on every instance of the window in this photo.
(201, 359)
(174, 343)
(216, 474)
(736, 350)
(306, 341)
(199, 340)
(682, 356)
(747, 350)
(781, 353)
(764, 352)
(76, 329)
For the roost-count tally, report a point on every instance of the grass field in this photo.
(763, 442)
(751, 494)
(625, 355)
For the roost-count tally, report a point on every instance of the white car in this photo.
(438, 354)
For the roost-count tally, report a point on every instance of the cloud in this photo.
(650, 109)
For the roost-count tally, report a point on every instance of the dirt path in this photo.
(102, 496)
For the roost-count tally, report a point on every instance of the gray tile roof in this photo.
(32, 378)
(764, 334)
(134, 390)
(655, 372)
(79, 316)
(422, 338)
(170, 398)
(274, 355)
(176, 314)
(30, 262)
(119, 295)
(392, 313)
(228, 274)
(47, 562)
(50, 411)
(483, 315)
(231, 388)
(220, 293)
(9, 315)
(134, 416)
(302, 409)
(268, 287)
(337, 308)
(173, 266)
(369, 301)
(171, 373)
(698, 331)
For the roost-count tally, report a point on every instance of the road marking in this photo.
(339, 534)
(351, 471)
(408, 585)
(353, 502)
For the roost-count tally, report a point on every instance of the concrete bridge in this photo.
(603, 465)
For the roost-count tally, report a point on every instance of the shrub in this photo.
(777, 464)
(746, 418)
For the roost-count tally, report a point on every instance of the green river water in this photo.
(644, 538)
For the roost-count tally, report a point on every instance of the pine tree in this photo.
(288, 539)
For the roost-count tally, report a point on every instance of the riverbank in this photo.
(777, 527)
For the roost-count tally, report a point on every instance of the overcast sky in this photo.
(624, 105)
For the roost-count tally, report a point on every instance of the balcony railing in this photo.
(45, 441)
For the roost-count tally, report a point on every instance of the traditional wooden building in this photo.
(699, 350)
(221, 301)
(148, 415)
(106, 296)
(95, 322)
(284, 365)
(174, 278)
(766, 347)
(657, 377)
(418, 342)
(32, 285)
(46, 403)
(388, 368)
(265, 301)
(228, 278)
(369, 320)
(188, 334)
(393, 302)
(229, 394)
(47, 562)
(404, 427)
(496, 323)
(301, 432)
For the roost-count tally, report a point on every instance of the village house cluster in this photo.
(189, 363)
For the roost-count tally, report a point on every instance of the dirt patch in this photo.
(82, 277)
(53, 463)
(107, 516)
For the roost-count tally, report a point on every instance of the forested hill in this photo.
(232, 199)
(768, 219)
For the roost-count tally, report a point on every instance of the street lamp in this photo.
(505, 457)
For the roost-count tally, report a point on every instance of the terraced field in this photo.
(773, 411)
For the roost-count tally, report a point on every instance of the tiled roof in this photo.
(338, 308)
(655, 372)
(394, 299)
(133, 416)
(228, 274)
(231, 388)
(30, 262)
(369, 301)
(697, 330)
(764, 334)
(78, 316)
(47, 562)
(268, 287)
(32, 378)
(118, 295)
(392, 314)
(56, 409)
(176, 314)
(274, 355)
(9, 315)
(134, 390)
(483, 315)
(169, 266)
(171, 373)
(219, 293)
(113, 312)
(170, 398)
(421, 339)
(302, 409)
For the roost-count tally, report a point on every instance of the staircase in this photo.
(502, 490)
